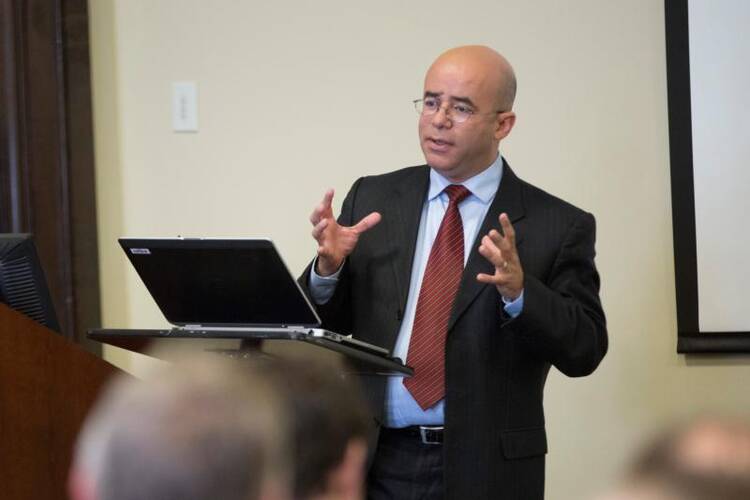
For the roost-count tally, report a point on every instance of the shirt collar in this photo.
(483, 185)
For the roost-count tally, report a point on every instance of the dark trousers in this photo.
(404, 468)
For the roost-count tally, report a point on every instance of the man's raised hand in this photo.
(335, 242)
(501, 251)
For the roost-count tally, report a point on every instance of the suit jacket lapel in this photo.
(406, 208)
(508, 199)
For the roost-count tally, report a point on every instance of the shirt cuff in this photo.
(513, 307)
(323, 287)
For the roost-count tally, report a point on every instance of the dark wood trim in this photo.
(690, 338)
(13, 179)
(47, 184)
(82, 187)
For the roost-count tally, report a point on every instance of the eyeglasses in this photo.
(457, 112)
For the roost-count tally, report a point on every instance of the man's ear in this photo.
(346, 481)
(505, 122)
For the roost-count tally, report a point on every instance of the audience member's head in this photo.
(196, 429)
(706, 459)
(330, 425)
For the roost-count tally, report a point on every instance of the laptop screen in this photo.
(219, 282)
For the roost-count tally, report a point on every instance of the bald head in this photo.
(481, 62)
(468, 93)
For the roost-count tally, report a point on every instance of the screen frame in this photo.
(134, 247)
(13, 245)
(690, 339)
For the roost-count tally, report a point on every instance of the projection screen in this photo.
(708, 74)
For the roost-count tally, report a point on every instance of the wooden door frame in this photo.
(47, 180)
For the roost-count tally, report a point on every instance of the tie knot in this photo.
(456, 193)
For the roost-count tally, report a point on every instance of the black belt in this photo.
(427, 434)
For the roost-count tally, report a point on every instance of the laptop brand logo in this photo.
(140, 251)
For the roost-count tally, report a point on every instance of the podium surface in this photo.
(359, 359)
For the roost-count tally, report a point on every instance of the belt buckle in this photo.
(426, 433)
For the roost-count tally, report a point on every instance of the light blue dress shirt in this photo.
(401, 409)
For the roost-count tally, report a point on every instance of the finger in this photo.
(367, 222)
(502, 242)
(496, 256)
(508, 230)
(328, 198)
(317, 214)
(488, 247)
(323, 208)
(506, 237)
(317, 231)
(491, 252)
(496, 238)
(488, 278)
(491, 279)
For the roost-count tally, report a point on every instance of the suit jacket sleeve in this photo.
(562, 317)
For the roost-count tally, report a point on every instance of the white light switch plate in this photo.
(184, 107)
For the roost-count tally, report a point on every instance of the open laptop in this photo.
(209, 286)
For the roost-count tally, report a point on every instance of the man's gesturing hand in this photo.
(335, 241)
(501, 252)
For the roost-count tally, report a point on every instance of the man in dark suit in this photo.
(477, 279)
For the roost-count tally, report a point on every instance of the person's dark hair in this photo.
(327, 413)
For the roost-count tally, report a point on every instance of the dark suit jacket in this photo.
(496, 367)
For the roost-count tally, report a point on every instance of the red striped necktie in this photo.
(439, 286)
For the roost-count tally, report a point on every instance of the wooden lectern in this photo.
(47, 386)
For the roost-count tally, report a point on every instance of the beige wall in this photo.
(299, 96)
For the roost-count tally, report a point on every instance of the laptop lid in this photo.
(220, 282)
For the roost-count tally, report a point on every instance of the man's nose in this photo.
(441, 119)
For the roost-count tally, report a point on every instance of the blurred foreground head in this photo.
(329, 428)
(705, 459)
(199, 428)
